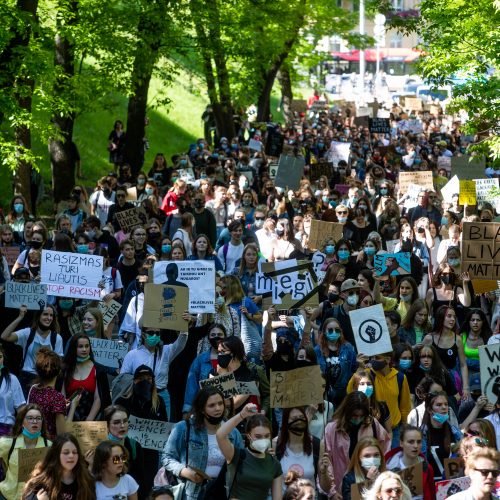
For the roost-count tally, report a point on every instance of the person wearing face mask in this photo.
(367, 254)
(296, 449)
(18, 215)
(169, 203)
(192, 453)
(102, 199)
(204, 218)
(438, 435)
(350, 424)
(343, 255)
(252, 471)
(37, 242)
(367, 462)
(102, 238)
(391, 386)
(120, 206)
(406, 294)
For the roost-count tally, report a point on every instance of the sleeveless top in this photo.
(448, 355)
(470, 352)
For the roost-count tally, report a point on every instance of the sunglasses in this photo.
(260, 218)
(334, 330)
(119, 459)
(486, 472)
(342, 212)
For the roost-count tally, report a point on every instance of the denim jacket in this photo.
(174, 453)
(347, 358)
(200, 368)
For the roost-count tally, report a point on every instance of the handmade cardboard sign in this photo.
(31, 295)
(444, 162)
(421, 178)
(198, 275)
(413, 103)
(467, 192)
(88, 434)
(453, 468)
(322, 231)
(370, 330)
(380, 125)
(248, 388)
(468, 167)
(489, 366)
(108, 352)
(255, 145)
(484, 286)
(164, 306)
(69, 274)
(11, 254)
(225, 383)
(132, 194)
(316, 170)
(290, 172)
(481, 250)
(109, 311)
(392, 264)
(298, 387)
(412, 477)
(27, 460)
(339, 151)
(128, 219)
(151, 434)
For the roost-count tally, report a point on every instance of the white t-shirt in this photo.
(234, 253)
(11, 398)
(109, 286)
(38, 341)
(126, 486)
(102, 204)
(215, 459)
(299, 462)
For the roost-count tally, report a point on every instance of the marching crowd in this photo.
(417, 406)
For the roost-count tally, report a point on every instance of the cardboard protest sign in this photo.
(27, 460)
(339, 151)
(88, 434)
(288, 283)
(483, 188)
(128, 219)
(358, 490)
(467, 167)
(484, 286)
(108, 352)
(132, 194)
(451, 188)
(413, 478)
(11, 254)
(362, 121)
(298, 105)
(225, 383)
(392, 264)
(198, 275)
(467, 193)
(481, 250)
(73, 275)
(453, 468)
(421, 178)
(413, 103)
(151, 434)
(380, 125)
(290, 172)
(412, 195)
(109, 311)
(248, 388)
(31, 295)
(322, 230)
(364, 111)
(489, 364)
(298, 387)
(370, 330)
(164, 306)
(449, 487)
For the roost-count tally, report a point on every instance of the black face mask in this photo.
(198, 203)
(284, 348)
(35, 244)
(182, 210)
(224, 360)
(143, 390)
(378, 365)
(333, 297)
(301, 363)
(298, 426)
(406, 246)
(214, 341)
(214, 420)
(106, 192)
(448, 279)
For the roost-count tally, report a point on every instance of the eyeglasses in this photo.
(119, 459)
(32, 420)
(485, 472)
(396, 491)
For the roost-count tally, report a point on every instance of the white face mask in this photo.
(261, 445)
(352, 300)
(366, 463)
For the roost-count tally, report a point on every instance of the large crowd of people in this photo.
(418, 404)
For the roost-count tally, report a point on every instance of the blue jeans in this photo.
(166, 397)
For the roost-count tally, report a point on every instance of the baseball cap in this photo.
(349, 284)
(475, 382)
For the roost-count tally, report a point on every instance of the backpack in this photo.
(31, 338)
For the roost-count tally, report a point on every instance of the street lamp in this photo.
(379, 33)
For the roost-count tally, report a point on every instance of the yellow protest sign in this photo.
(467, 192)
(88, 434)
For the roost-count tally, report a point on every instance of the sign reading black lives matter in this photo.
(370, 330)
(481, 250)
(379, 125)
(489, 366)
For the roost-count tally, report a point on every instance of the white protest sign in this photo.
(108, 352)
(318, 259)
(412, 195)
(415, 126)
(31, 295)
(197, 275)
(391, 245)
(109, 311)
(450, 188)
(255, 145)
(483, 187)
(151, 434)
(370, 330)
(489, 367)
(339, 151)
(69, 274)
(187, 175)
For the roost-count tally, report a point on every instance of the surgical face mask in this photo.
(405, 298)
(352, 300)
(260, 445)
(383, 191)
(166, 248)
(332, 336)
(152, 340)
(258, 223)
(329, 249)
(31, 435)
(65, 305)
(440, 418)
(367, 463)
(444, 221)
(82, 248)
(454, 262)
(367, 390)
(114, 438)
(405, 364)
(425, 368)
(370, 250)
(18, 208)
(90, 233)
(325, 199)
(149, 191)
(343, 254)
(342, 218)
(82, 359)
(357, 420)
(280, 232)
(141, 181)
(224, 360)
(220, 301)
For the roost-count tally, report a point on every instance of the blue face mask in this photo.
(367, 390)
(332, 337)
(149, 191)
(90, 333)
(343, 254)
(342, 219)
(329, 249)
(425, 369)
(82, 248)
(19, 208)
(82, 359)
(454, 262)
(444, 221)
(166, 248)
(141, 181)
(321, 145)
(405, 364)
(333, 203)
(325, 199)
(31, 435)
(114, 438)
(383, 191)
(370, 250)
(65, 305)
(153, 340)
(440, 419)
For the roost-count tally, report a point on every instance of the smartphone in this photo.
(77, 393)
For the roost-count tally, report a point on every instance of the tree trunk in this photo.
(60, 149)
(286, 94)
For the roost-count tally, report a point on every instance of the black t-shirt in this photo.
(68, 491)
(128, 273)
(437, 444)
